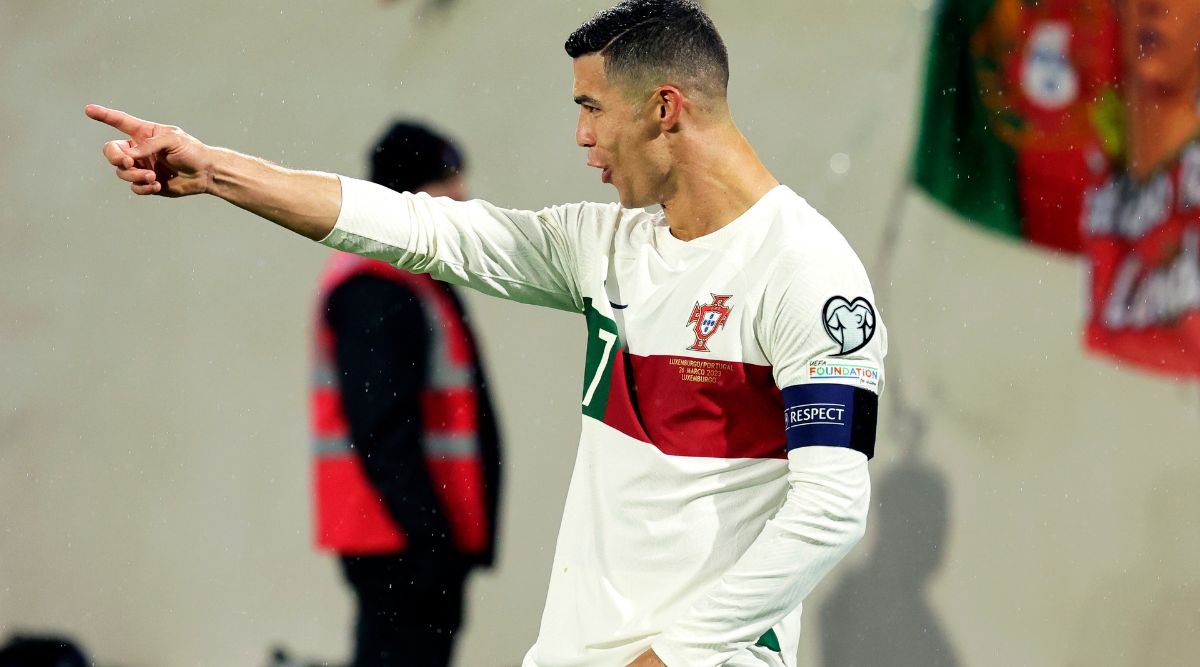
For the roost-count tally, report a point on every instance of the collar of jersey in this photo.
(719, 239)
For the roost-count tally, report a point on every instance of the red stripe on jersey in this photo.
(688, 406)
(619, 413)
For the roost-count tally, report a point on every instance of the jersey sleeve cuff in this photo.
(345, 213)
(371, 221)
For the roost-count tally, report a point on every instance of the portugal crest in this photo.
(707, 318)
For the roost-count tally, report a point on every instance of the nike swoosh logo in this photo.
(615, 306)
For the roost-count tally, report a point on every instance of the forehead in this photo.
(589, 75)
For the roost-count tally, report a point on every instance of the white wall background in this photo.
(153, 354)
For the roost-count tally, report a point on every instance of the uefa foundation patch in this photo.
(844, 372)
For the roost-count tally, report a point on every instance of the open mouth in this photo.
(605, 172)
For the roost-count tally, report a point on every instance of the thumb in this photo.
(151, 146)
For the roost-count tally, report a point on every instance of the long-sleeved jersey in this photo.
(729, 403)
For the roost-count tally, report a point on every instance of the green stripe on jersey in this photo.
(603, 343)
(769, 640)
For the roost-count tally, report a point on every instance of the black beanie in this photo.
(410, 156)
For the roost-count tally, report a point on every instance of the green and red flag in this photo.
(1020, 113)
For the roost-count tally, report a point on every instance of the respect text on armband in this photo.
(830, 415)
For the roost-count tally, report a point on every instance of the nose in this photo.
(584, 137)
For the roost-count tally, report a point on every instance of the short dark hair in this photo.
(649, 42)
(409, 156)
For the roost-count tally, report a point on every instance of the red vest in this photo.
(350, 516)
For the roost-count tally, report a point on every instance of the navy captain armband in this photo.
(830, 415)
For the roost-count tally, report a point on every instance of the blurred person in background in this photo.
(1160, 54)
(734, 355)
(407, 451)
(42, 651)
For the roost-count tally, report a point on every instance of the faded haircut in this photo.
(646, 43)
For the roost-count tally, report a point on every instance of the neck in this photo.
(1159, 125)
(716, 176)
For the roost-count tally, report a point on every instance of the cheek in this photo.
(1189, 43)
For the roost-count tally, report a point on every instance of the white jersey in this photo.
(728, 405)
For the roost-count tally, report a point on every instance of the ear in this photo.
(668, 101)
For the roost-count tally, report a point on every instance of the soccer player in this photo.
(734, 352)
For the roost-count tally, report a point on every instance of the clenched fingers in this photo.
(116, 152)
(146, 188)
(144, 148)
(135, 175)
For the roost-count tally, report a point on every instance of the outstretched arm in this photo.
(526, 256)
(164, 160)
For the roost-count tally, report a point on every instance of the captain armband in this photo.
(830, 415)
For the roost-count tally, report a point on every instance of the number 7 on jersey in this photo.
(602, 349)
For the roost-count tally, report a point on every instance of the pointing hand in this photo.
(155, 159)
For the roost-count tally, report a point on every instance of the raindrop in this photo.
(839, 163)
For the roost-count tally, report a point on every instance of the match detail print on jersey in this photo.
(830, 415)
(850, 324)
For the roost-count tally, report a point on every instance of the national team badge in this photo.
(849, 323)
(707, 318)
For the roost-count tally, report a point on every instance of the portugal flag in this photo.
(1021, 114)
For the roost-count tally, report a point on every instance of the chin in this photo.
(630, 200)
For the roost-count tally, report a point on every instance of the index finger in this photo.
(118, 119)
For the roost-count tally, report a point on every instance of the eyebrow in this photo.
(587, 99)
